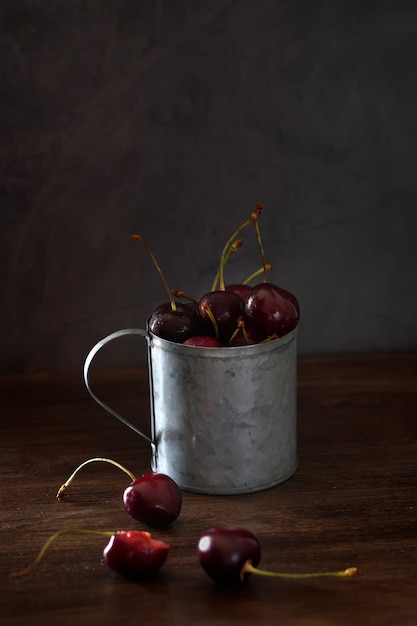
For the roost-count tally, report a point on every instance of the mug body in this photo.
(224, 420)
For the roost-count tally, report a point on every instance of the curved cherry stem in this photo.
(233, 248)
(182, 294)
(67, 531)
(67, 483)
(254, 216)
(159, 270)
(212, 319)
(248, 568)
(266, 268)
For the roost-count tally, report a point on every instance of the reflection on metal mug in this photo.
(223, 420)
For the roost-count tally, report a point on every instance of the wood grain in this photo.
(352, 502)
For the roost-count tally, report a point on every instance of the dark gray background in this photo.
(173, 119)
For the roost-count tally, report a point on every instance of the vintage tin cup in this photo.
(223, 420)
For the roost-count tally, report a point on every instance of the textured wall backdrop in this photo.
(173, 119)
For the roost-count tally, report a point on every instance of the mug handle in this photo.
(100, 344)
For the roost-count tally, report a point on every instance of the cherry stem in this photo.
(69, 480)
(233, 248)
(252, 218)
(248, 568)
(54, 537)
(261, 270)
(270, 338)
(261, 248)
(240, 329)
(160, 272)
(212, 319)
(182, 294)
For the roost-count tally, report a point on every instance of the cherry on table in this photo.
(223, 551)
(134, 554)
(153, 499)
(229, 554)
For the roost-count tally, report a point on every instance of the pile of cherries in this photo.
(227, 554)
(230, 314)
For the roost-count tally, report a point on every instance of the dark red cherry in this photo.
(229, 554)
(290, 297)
(203, 341)
(269, 311)
(240, 289)
(226, 307)
(175, 325)
(153, 499)
(135, 554)
(132, 553)
(224, 550)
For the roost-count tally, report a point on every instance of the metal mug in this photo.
(223, 420)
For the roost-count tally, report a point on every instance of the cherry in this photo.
(290, 297)
(240, 289)
(131, 553)
(171, 321)
(135, 554)
(154, 499)
(226, 307)
(228, 554)
(203, 341)
(175, 325)
(223, 551)
(269, 311)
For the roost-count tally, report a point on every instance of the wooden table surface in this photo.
(352, 502)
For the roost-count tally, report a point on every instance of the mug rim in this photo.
(280, 343)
